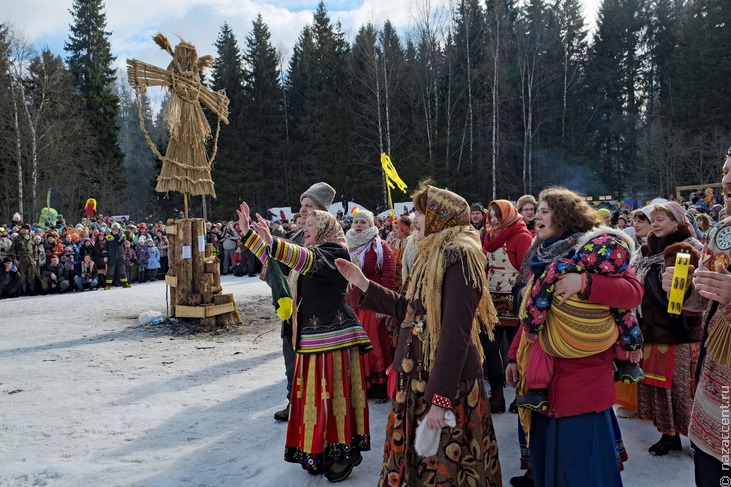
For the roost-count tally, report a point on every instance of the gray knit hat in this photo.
(321, 193)
(365, 215)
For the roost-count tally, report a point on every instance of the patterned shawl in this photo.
(448, 226)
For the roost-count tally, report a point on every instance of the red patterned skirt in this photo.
(376, 361)
(328, 418)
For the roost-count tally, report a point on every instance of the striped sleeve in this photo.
(253, 242)
(300, 259)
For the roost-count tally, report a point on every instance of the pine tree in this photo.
(317, 85)
(615, 74)
(228, 75)
(701, 89)
(90, 61)
(263, 116)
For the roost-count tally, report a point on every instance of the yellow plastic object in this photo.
(284, 311)
(680, 283)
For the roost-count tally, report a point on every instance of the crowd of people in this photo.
(439, 309)
(563, 301)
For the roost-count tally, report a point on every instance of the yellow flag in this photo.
(392, 178)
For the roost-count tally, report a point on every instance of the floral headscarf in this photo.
(447, 226)
(328, 228)
(444, 209)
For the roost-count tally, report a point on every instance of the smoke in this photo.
(551, 168)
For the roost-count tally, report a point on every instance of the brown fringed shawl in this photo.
(448, 233)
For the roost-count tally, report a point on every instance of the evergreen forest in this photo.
(491, 98)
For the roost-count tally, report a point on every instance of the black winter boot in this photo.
(666, 444)
(497, 397)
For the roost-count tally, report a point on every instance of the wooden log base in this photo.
(204, 311)
(195, 281)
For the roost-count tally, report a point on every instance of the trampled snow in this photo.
(89, 397)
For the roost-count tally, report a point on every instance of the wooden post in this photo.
(195, 282)
(173, 259)
(185, 205)
(184, 271)
(198, 229)
(207, 286)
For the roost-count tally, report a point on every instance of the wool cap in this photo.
(524, 200)
(321, 193)
(477, 207)
(603, 212)
(365, 215)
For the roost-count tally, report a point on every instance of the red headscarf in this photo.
(509, 216)
(403, 226)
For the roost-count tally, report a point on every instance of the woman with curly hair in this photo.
(438, 358)
(576, 441)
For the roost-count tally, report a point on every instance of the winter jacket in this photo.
(86, 249)
(229, 239)
(97, 254)
(114, 247)
(517, 240)
(162, 244)
(141, 255)
(8, 280)
(586, 385)
(153, 258)
(5, 245)
(87, 271)
(659, 326)
(53, 249)
(22, 250)
(67, 261)
(58, 270)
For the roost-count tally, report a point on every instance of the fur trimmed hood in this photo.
(605, 230)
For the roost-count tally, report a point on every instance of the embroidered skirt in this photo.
(328, 418)
(467, 453)
(670, 408)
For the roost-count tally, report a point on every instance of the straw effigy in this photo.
(186, 166)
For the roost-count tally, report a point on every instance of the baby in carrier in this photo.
(577, 328)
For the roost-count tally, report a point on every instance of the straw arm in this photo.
(142, 75)
(216, 101)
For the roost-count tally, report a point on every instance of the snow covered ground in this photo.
(88, 397)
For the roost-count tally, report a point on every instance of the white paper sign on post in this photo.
(187, 252)
(201, 243)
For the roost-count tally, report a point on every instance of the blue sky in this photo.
(133, 22)
(45, 23)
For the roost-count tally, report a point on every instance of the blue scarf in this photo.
(550, 249)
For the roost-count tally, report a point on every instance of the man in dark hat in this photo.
(10, 283)
(22, 252)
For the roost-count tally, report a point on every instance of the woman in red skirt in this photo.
(328, 422)
(375, 258)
